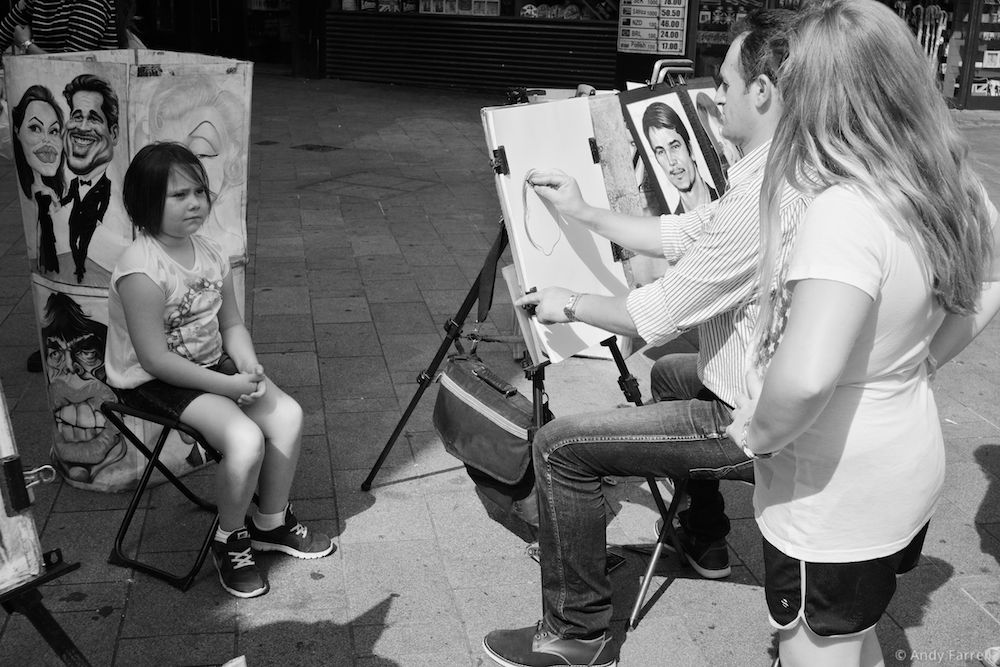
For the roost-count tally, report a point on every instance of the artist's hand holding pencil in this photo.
(546, 304)
(559, 189)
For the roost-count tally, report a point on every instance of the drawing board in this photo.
(548, 250)
(20, 551)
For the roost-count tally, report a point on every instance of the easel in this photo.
(482, 291)
(26, 599)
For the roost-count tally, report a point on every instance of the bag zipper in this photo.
(483, 409)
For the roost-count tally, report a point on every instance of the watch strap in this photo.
(569, 310)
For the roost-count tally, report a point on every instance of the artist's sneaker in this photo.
(292, 538)
(537, 647)
(709, 558)
(238, 571)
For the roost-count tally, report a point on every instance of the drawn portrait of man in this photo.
(90, 138)
(73, 349)
(671, 145)
(676, 158)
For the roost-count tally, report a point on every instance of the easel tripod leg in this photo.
(453, 328)
(29, 603)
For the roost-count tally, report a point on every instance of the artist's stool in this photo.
(742, 473)
(114, 413)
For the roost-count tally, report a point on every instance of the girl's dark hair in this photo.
(144, 189)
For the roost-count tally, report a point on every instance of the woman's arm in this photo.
(142, 301)
(825, 319)
(957, 331)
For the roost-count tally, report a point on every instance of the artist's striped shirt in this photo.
(60, 26)
(713, 285)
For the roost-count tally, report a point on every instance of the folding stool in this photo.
(114, 413)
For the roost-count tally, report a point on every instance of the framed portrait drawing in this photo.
(680, 155)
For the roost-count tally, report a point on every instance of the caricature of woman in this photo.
(206, 118)
(38, 123)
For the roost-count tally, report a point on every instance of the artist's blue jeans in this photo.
(572, 454)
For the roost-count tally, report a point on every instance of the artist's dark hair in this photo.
(35, 93)
(765, 46)
(144, 190)
(94, 84)
(661, 115)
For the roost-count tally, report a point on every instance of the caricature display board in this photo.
(76, 121)
(20, 551)
(548, 250)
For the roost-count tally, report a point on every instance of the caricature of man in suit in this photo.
(90, 138)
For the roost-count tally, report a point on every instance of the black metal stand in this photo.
(630, 387)
(481, 290)
(26, 600)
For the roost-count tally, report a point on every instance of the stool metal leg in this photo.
(118, 556)
(154, 459)
(666, 531)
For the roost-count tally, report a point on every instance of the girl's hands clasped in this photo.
(249, 385)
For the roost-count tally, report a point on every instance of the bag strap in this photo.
(488, 274)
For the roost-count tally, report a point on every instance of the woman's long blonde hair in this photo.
(862, 109)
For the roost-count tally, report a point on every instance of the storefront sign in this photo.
(652, 26)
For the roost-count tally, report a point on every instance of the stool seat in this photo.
(114, 413)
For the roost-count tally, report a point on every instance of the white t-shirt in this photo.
(192, 299)
(865, 477)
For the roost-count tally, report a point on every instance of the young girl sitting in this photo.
(178, 346)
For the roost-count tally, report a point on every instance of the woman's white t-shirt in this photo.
(866, 476)
(192, 299)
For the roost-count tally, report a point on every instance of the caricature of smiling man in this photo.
(90, 139)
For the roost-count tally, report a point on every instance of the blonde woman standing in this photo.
(895, 265)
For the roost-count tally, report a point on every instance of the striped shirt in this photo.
(61, 27)
(713, 285)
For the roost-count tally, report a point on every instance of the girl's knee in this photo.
(290, 413)
(244, 442)
(284, 417)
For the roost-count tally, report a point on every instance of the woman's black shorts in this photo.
(833, 599)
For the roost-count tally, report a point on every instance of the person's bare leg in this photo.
(241, 443)
(871, 651)
(279, 418)
(801, 647)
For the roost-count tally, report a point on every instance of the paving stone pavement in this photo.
(371, 209)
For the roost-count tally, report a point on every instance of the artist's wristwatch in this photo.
(569, 310)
